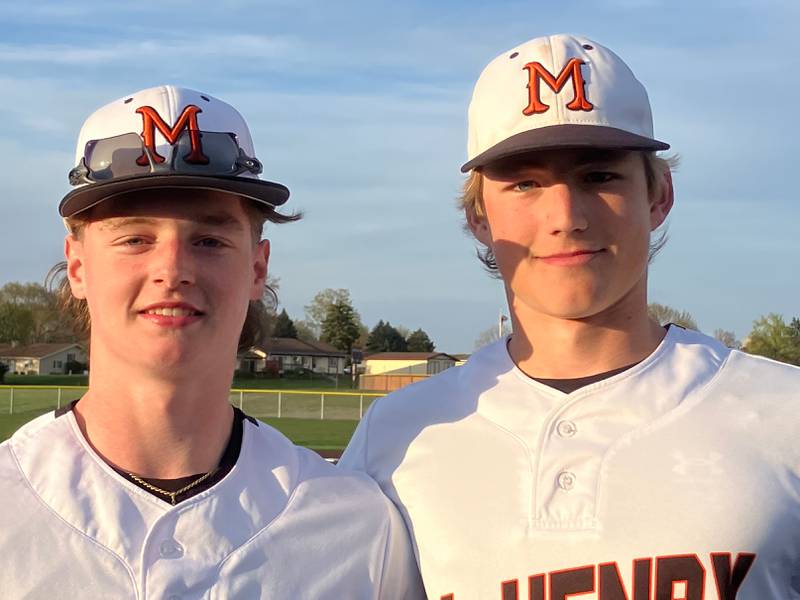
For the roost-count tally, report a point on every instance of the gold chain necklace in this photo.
(172, 495)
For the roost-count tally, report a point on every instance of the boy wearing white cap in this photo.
(152, 485)
(593, 452)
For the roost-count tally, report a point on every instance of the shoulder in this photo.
(305, 473)
(30, 438)
(395, 421)
(737, 373)
(23, 456)
(760, 383)
(778, 374)
(449, 394)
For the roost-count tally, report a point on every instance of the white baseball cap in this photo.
(166, 137)
(559, 91)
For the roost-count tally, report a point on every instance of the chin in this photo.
(175, 352)
(567, 304)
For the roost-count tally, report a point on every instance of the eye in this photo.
(209, 242)
(524, 186)
(133, 241)
(601, 176)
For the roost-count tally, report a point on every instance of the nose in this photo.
(566, 209)
(172, 265)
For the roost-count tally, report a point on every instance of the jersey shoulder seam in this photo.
(697, 396)
(82, 534)
(283, 511)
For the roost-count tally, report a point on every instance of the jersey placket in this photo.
(569, 459)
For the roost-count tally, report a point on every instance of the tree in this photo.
(340, 326)
(728, 338)
(305, 331)
(363, 336)
(418, 341)
(666, 314)
(4, 368)
(385, 338)
(284, 326)
(16, 323)
(317, 309)
(773, 338)
(47, 323)
(487, 336)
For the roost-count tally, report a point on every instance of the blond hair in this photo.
(471, 200)
(256, 324)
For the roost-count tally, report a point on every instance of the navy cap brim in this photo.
(564, 137)
(87, 196)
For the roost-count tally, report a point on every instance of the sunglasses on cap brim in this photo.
(193, 153)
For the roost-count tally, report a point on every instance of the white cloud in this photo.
(243, 47)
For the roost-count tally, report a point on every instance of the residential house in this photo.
(387, 371)
(280, 355)
(461, 358)
(41, 359)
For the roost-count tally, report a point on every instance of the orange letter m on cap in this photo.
(151, 121)
(572, 70)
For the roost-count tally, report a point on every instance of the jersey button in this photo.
(566, 429)
(566, 480)
(170, 549)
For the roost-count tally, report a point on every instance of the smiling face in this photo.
(570, 229)
(167, 277)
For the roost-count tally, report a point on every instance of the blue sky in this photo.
(360, 108)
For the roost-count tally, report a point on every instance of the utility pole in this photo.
(500, 320)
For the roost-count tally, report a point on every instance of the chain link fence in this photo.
(290, 404)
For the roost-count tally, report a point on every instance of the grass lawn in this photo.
(311, 433)
(316, 434)
(252, 383)
(10, 423)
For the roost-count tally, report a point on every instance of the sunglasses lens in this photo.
(114, 157)
(194, 152)
(205, 152)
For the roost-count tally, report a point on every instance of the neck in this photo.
(550, 347)
(156, 426)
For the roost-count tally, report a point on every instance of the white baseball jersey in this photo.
(283, 524)
(678, 478)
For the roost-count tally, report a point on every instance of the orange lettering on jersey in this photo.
(571, 71)
(676, 577)
(151, 121)
(536, 587)
(610, 582)
(681, 577)
(729, 580)
(569, 582)
(509, 590)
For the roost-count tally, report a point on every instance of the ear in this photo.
(479, 226)
(73, 251)
(260, 263)
(662, 203)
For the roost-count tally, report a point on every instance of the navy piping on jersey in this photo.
(226, 463)
(570, 385)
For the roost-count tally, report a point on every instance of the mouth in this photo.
(572, 258)
(171, 314)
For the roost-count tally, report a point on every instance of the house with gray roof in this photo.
(41, 359)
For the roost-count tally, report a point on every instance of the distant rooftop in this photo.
(292, 346)
(33, 350)
(408, 356)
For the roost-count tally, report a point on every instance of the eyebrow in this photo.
(214, 220)
(517, 165)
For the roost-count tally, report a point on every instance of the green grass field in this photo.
(318, 384)
(299, 412)
(311, 433)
